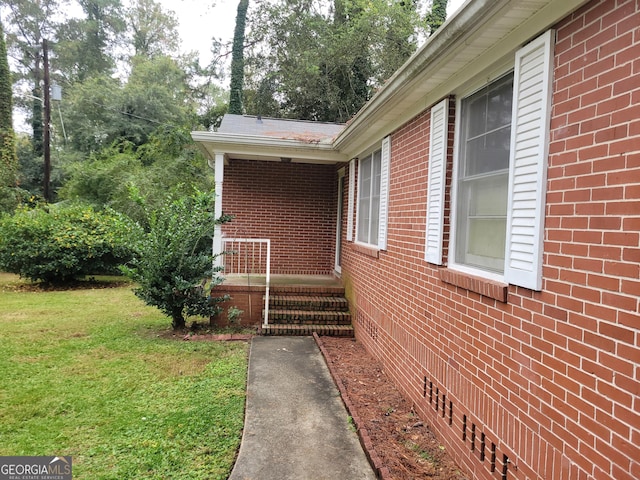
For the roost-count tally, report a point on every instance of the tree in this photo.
(102, 111)
(214, 103)
(8, 157)
(149, 103)
(437, 16)
(167, 165)
(174, 266)
(322, 61)
(153, 31)
(30, 22)
(237, 60)
(92, 113)
(103, 179)
(86, 46)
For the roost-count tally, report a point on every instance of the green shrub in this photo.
(174, 268)
(58, 244)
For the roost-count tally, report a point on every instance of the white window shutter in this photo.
(528, 162)
(436, 181)
(351, 200)
(385, 163)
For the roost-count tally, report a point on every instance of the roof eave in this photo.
(267, 148)
(420, 82)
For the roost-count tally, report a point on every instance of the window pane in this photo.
(364, 199)
(486, 243)
(499, 102)
(489, 152)
(375, 197)
(369, 198)
(375, 220)
(481, 227)
(481, 208)
(486, 128)
(476, 120)
(363, 221)
(488, 196)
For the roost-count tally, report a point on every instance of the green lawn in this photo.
(88, 373)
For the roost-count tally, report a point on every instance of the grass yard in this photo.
(87, 373)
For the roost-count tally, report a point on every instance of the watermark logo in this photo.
(36, 468)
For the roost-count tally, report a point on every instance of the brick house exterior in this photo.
(528, 366)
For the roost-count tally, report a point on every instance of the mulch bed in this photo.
(399, 444)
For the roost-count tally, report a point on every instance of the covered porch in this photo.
(279, 180)
(283, 185)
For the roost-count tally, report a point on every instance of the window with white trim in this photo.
(373, 178)
(483, 175)
(369, 198)
(500, 172)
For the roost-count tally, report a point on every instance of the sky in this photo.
(200, 21)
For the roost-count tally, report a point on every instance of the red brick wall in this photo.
(549, 380)
(292, 204)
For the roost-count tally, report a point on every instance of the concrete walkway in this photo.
(296, 426)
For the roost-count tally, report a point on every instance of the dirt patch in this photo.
(88, 284)
(203, 332)
(404, 446)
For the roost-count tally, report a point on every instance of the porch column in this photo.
(218, 170)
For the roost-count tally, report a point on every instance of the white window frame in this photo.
(457, 161)
(384, 149)
(528, 157)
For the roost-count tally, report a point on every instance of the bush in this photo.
(57, 244)
(174, 268)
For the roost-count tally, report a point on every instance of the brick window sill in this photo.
(368, 251)
(488, 288)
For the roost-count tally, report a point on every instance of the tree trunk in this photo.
(177, 319)
(237, 60)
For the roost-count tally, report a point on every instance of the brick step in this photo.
(308, 302)
(303, 330)
(323, 291)
(308, 317)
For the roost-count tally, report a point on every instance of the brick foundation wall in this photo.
(292, 204)
(546, 385)
(248, 299)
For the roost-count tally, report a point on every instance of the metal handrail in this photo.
(247, 264)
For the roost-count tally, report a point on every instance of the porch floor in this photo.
(284, 280)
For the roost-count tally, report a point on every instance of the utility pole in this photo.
(47, 125)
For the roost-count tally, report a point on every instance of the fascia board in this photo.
(261, 146)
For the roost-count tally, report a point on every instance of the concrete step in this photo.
(304, 330)
(307, 317)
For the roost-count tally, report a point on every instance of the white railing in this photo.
(250, 257)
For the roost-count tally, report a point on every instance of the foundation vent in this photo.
(471, 433)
